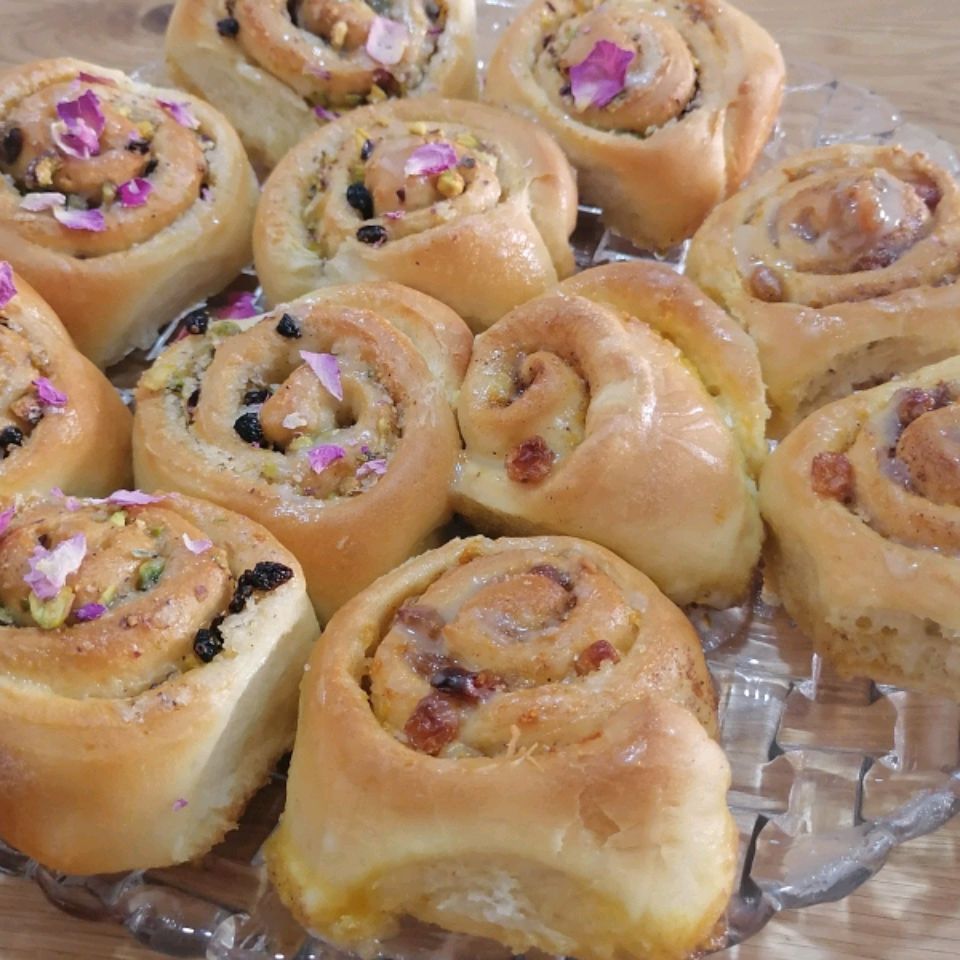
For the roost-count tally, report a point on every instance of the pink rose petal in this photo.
(49, 395)
(89, 611)
(600, 76)
(321, 457)
(325, 366)
(72, 504)
(5, 517)
(84, 110)
(93, 78)
(8, 289)
(239, 306)
(35, 202)
(81, 142)
(430, 159)
(132, 498)
(180, 112)
(378, 467)
(180, 804)
(386, 41)
(134, 193)
(49, 569)
(196, 546)
(324, 114)
(89, 220)
(394, 214)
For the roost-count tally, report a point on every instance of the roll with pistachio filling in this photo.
(328, 420)
(662, 106)
(120, 203)
(461, 201)
(510, 739)
(842, 264)
(62, 424)
(151, 648)
(863, 504)
(628, 409)
(280, 68)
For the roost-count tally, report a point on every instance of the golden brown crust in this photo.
(840, 263)
(120, 749)
(81, 445)
(400, 357)
(628, 409)
(114, 288)
(504, 209)
(863, 503)
(269, 77)
(579, 813)
(701, 96)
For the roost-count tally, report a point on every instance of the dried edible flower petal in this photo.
(180, 803)
(181, 113)
(6, 516)
(239, 306)
(134, 193)
(196, 546)
(600, 76)
(293, 420)
(430, 159)
(378, 467)
(89, 611)
(321, 457)
(77, 134)
(8, 289)
(36, 202)
(48, 393)
(324, 114)
(386, 41)
(89, 220)
(85, 77)
(49, 569)
(133, 498)
(325, 366)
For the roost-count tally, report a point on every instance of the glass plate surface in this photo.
(828, 775)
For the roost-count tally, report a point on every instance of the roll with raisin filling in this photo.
(328, 420)
(527, 724)
(863, 503)
(62, 424)
(841, 263)
(150, 654)
(628, 409)
(280, 68)
(110, 188)
(461, 201)
(662, 107)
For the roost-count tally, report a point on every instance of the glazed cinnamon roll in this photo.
(461, 201)
(527, 724)
(109, 190)
(62, 424)
(863, 503)
(329, 421)
(277, 69)
(625, 408)
(151, 652)
(662, 107)
(841, 263)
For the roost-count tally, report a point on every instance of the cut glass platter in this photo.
(829, 775)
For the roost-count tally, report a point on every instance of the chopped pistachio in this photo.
(162, 372)
(300, 443)
(467, 140)
(270, 471)
(118, 519)
(6, 618)
(146, 129)
(376, 94)
(419, 128)
(149, 572)
(225, 328)
(50, 614)
(109, 192)
(108, 595)
(338, 34)
(44, 170)
(450, 183)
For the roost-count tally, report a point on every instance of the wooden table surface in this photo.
(907, 51)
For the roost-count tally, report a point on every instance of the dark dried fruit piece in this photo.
(12, 145)
(915, 402)
(595, 656)
(466, 684)
(553, 573)
(265, 576)
(228, 27)
(248, 427)
(289, 328)
(433, 724)
(360, 198)
(197, 321)
(831, 475)
(10, 437)
(372, 234)
(530, 461)
(208, 641)
(366, 149)
(253, 397)
(138, 145)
